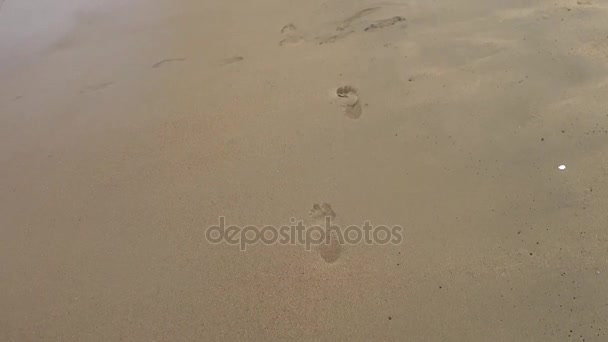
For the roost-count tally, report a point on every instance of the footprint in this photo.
(291, 34)
(334, 38)
(343, 28)
(329, 252)
(318, 213)
(288, 28)
(349, 99)
(232, 60)
(95, 87)
(384, 23)
(348, 21)
(168, 60)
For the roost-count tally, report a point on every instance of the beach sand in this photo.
(129, 127)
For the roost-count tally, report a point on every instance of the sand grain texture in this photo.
(128, 127)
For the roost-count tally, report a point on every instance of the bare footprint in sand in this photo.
(333, 38)
(329, 252)
(232, 60)
(291, 34)
(166, 61)
(353, 18)
(344, 27)
(349, 99)
(380, 24)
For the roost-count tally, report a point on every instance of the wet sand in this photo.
(128, 127)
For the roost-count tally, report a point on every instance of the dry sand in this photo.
(128, 127)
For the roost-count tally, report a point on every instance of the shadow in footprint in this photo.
(384, 23)
(232, 60)
(291, 34)
(95, 87)
(348, 21)
(168, 60)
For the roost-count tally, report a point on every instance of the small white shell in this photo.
(562, 167)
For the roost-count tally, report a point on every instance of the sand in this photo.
(128, 127)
